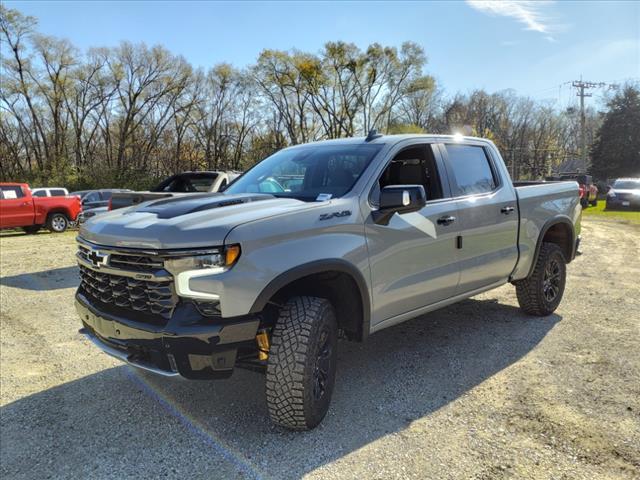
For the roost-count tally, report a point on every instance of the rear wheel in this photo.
(541, 293)
(31, 229)
(58, 222)
(302, 363)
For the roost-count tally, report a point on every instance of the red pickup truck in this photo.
(19, 209)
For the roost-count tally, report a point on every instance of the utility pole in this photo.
(582, 87)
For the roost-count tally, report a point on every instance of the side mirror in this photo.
(400, 199)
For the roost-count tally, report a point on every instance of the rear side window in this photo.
(106, 195)
(57, 192)
(92, 197)
(39, 193)
(9, 192)
(471, 170)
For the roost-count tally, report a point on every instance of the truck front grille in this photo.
(127, 261)
(152, 300)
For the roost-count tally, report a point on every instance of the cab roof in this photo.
(393, 139)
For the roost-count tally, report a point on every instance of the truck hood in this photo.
(185, 221)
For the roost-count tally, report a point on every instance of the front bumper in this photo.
(189, 345)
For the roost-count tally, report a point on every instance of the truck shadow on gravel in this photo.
(399, 375)
(46, 280)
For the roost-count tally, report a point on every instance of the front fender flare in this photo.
(318, 266)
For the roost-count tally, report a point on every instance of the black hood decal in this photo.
(183, 205)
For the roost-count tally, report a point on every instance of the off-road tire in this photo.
(31, 229)
(57, 222)
(304, 329)
(532, 292)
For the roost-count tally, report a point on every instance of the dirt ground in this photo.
(476, 390)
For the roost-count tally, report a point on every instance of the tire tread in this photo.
(528, 291)
(291, 340)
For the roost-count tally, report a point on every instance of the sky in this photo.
(533, 47)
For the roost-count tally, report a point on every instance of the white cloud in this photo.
(528, 12)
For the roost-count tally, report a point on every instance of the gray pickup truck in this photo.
(340, 238)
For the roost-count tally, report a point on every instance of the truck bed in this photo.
(539, 201)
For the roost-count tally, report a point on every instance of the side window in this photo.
(9, 192)
(39, 193)
(471, 170)
(223, 184)
(106, 195)
(57, 192)
(413, 166)
(92, 197)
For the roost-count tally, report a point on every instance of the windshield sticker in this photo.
(9, 194)
(323, 197)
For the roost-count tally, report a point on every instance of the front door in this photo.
(413, 258)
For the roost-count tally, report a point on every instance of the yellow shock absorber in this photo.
(262, 338)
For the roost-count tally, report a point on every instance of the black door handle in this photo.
(507, 210)
(446, 220)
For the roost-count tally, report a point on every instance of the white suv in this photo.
(50, 192)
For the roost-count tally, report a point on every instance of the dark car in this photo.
(97, 198)
(624, 194)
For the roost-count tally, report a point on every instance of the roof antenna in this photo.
(373, 134)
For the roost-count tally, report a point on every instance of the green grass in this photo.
(600, 212)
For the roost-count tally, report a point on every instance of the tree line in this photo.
(130, 115)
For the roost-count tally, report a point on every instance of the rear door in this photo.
(413, 258)
(488, 214)
(16, 208)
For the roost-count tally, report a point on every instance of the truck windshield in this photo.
(308, 173)
(188, 182)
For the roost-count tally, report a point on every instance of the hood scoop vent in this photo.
(183, 205)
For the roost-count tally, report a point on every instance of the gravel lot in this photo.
(477, 390)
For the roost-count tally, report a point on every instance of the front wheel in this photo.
(301, 368)
(58, 222)
(541, 293)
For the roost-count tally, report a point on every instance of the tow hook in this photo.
(262, 338)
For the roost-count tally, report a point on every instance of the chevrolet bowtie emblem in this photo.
(98, 259)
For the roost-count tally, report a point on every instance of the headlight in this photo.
(218, 261)
(186, 268)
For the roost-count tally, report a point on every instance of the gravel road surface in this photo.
(476, 390)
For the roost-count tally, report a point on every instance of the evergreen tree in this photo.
(616, 151)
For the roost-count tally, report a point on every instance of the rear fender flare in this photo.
(543, 231)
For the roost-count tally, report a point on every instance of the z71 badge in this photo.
(328, 216)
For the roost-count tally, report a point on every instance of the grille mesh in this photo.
(154, 298)
(141, 263)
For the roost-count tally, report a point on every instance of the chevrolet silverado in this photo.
(339, 238)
